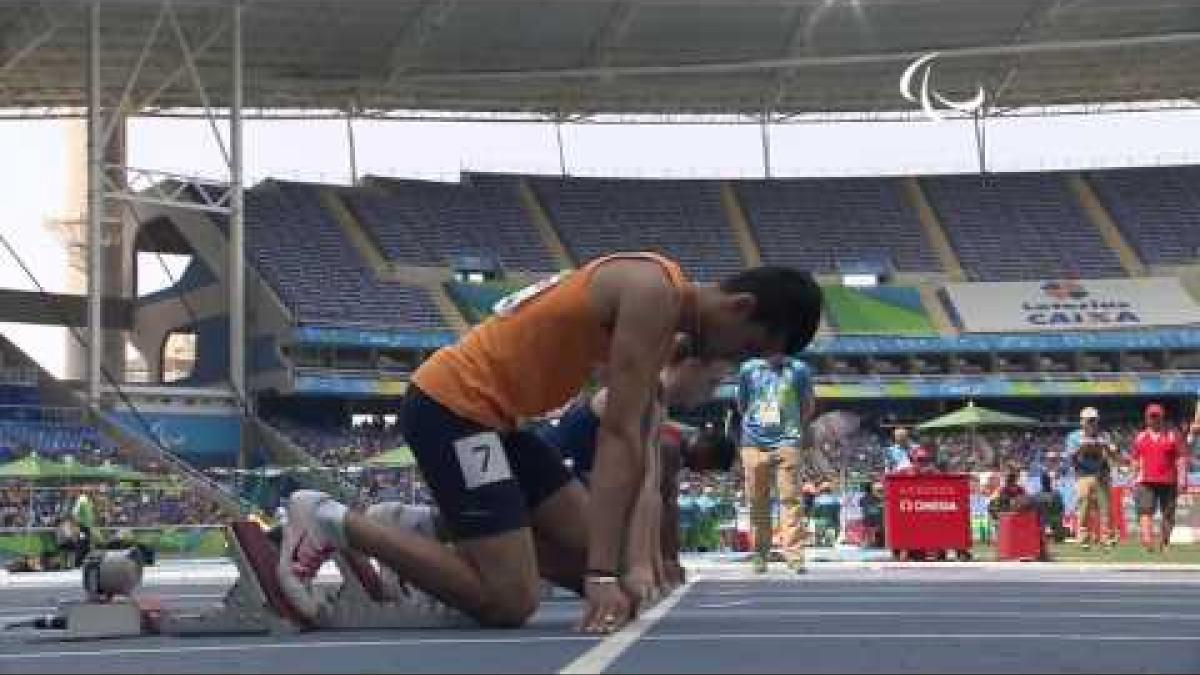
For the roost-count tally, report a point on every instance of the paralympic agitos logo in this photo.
(932, 101)
(1064, 290)
(1070, 303)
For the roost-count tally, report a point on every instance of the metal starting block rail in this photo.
(257, 605)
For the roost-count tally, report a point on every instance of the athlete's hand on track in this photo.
(676, 575)
(607, 608)
(641, 587)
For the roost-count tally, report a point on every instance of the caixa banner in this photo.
(1072, 305)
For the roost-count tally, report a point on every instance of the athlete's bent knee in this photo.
(512, 610)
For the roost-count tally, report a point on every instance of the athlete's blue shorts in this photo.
(485, 482)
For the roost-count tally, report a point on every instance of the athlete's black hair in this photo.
(788, 302)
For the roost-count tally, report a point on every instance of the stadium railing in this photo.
(18, 376)
(1043, 377)
(42, 414)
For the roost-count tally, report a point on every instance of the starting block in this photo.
(256, 604)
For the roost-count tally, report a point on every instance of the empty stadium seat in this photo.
(681, 219)
(1013, 227)
(1157, 209)
(819, 223)
(429, 223)
(301, 250)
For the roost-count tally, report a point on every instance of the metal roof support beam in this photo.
(1039, 13)
(131, 186)
(599, 54)
(351, 146)
(189, 60)
(163, 188)
(431, 16)
(95, 209)
(799, 37)
(616, 27)
(34, 42)
(134, 73)
(758, 65)
(237, 241)
(765, 132)
(200, 50)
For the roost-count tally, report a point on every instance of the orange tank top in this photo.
(537, 351)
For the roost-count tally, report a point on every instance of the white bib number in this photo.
(482, 460)
(768, 414)
(511, 302)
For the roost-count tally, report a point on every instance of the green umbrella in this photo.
(35, 468)
(396, 458)
(111, 471)
(972, 417)
(975, 416)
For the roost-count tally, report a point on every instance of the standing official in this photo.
(898, 454)
(1090, 453)
(1160, 462)
(775, 399)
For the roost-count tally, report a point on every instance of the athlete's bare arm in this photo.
(643, 561)
(643, 309)
(672, 461)
(642, 541)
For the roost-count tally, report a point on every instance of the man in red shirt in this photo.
(1159, 460)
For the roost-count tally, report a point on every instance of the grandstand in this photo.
(682, 219)
(1010, 227)
(1157, 209)
(818, 223)
(367, 289)
(299, 248)
(348, 288)
(307, 303)
(429, 223)
(353, 326)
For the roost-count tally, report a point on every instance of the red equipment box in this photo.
(927, 511)
(1020, 537)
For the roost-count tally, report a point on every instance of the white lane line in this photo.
(932, 578)
(923, 614)
(596, 659)
(320, 644)
(942, 590)
(723, 605)
(940, 638)
(983, 600)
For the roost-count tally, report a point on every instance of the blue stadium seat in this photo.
(681, 219)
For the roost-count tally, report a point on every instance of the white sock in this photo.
(331, 518)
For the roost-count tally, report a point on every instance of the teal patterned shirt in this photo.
(772, 402)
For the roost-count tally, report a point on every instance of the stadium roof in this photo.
(583, 57)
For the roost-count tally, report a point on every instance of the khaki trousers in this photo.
(1091, 490)
(759, 465)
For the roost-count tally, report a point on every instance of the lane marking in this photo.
(924, 590)
(596, 659)
(935, 577)
(723, 605)
(982, 600)
(735, 613)
(941, 638)
(710, 637)
(254, 646)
